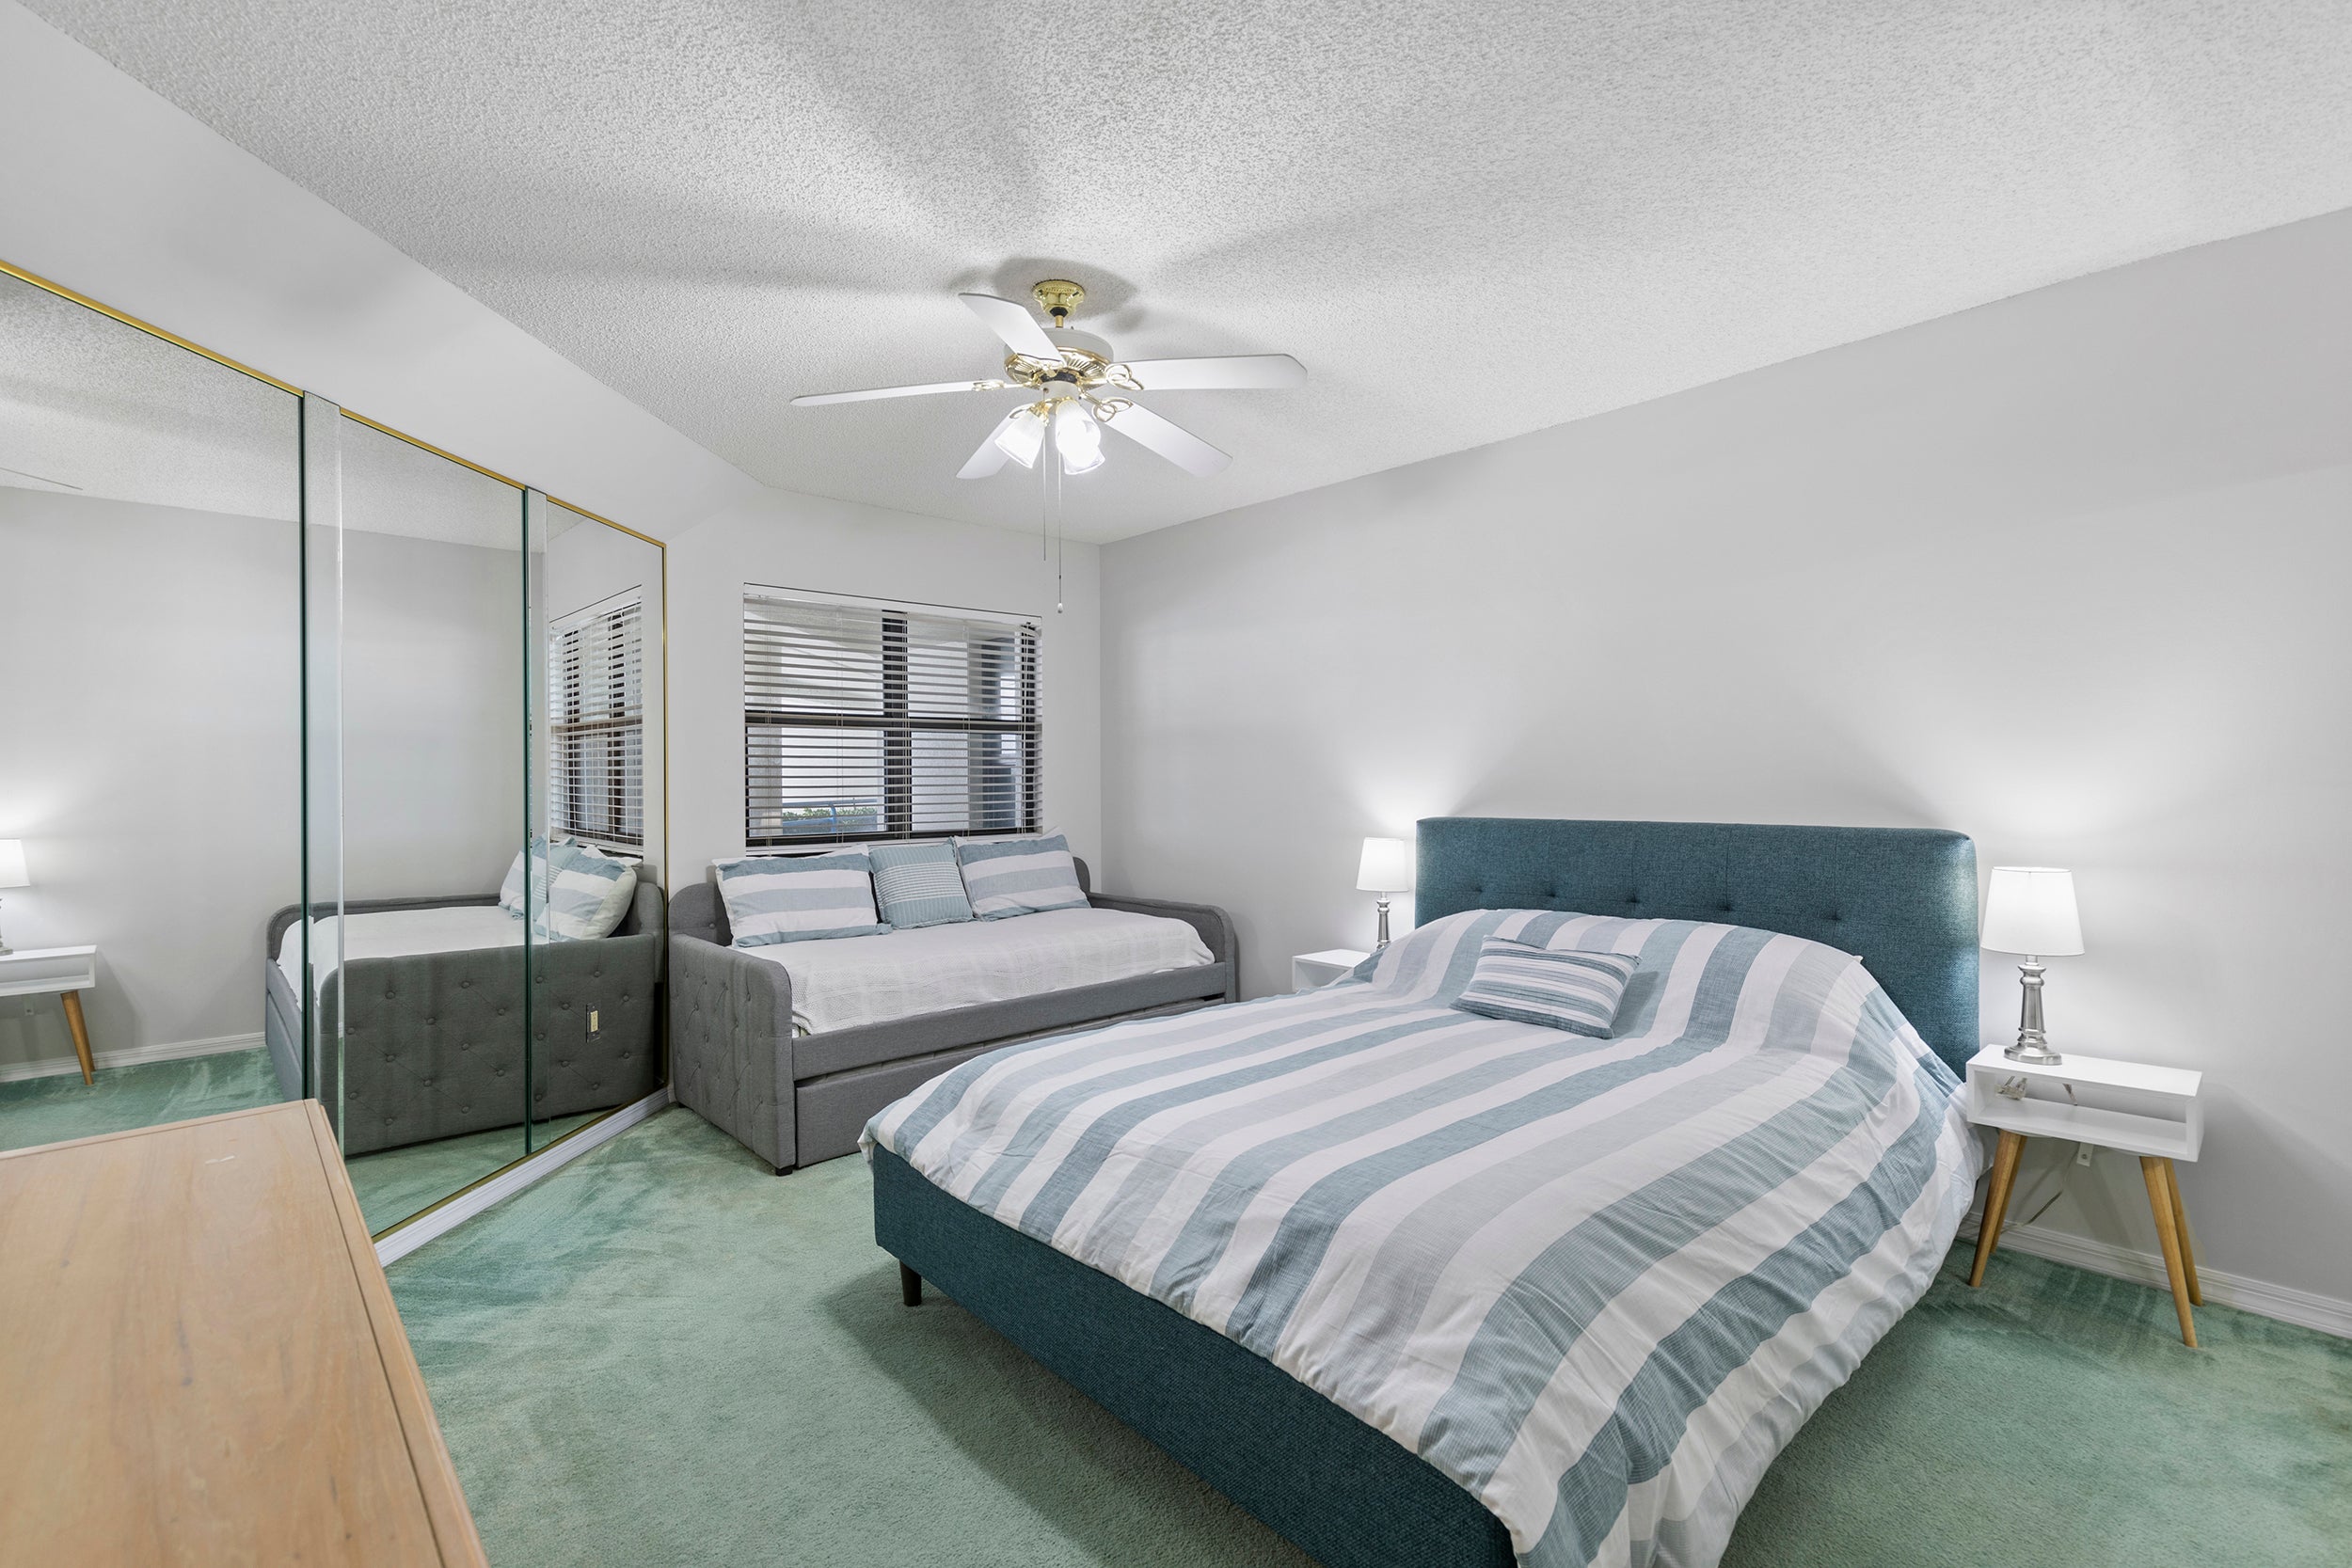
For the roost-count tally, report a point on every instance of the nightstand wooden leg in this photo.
(2180, 1224)
(1996, 1200)
(81, 1032)
(2161, 1199)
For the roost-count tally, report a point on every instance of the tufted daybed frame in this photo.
(430, 1038)
(795, 1100)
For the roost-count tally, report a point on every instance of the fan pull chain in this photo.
(1050, 536)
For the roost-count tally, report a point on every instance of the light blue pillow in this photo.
(587, 897)
(1005, 877)
(918, 884)
(1560, 988)
(798, 897)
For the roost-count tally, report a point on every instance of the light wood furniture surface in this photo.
(67, 970)
(2152, 1112)
(202, 1363)
(1310, 969)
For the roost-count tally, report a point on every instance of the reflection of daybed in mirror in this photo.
(433, 1030)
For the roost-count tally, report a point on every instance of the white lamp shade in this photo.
(2030, 909)
(12, 873)
(1386, 867)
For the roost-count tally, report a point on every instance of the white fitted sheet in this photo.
(399, 934)
(844, 982)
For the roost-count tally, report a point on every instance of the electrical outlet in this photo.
(593, 1025)
(2082, 1152)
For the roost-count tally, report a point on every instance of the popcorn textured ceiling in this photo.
(1470, 220)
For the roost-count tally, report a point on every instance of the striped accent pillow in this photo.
(542, 858)
(917, 884)
(588, 895)
(1560, 988)
(777, 899)
(1006, 876)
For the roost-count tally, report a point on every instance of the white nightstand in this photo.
(67, 970)
(2152, 1112)
(1310, 969)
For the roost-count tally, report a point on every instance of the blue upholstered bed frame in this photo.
(1904, 900)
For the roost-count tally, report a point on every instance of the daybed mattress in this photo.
(398, 934)
(844, 982)
(1596, 1283)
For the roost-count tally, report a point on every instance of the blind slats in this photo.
(596, 722)
(866, 721)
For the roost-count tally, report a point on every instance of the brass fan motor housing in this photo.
(1057, 298)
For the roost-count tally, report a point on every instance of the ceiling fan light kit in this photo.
(1068, 374)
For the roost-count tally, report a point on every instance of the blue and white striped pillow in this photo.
(917, 884)
(544, 858)
(1006, 876)
(798, 897)
(1558, 988)
(587, 897)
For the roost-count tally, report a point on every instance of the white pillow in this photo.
(773, 899)
(542, 858)
(1007, 876)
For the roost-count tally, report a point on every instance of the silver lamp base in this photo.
(1383, 941)
(2033, 1046)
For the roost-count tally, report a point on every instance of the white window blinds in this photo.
(597, 724)
(864, 721)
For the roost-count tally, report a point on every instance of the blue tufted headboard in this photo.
(1902, 899)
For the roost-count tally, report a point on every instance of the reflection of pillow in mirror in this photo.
(545, 857)
(588, 895)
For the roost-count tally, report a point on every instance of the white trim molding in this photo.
(406, 1238)
(136, 1055)
(2304, 1308)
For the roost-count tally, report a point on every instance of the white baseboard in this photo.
(2304, 1308)
(136, 1055)
(405, 1238)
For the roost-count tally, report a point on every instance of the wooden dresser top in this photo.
(201, 1363)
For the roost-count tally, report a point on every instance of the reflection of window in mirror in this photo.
(596, 731)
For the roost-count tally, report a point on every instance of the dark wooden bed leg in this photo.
(910, 1285)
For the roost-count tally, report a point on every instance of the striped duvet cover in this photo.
(1598, 1282)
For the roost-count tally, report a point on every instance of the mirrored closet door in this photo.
(149, 722)
(333, 768)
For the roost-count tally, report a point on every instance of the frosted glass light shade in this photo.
(2030, 909)
(1386, 867)
(12, 872)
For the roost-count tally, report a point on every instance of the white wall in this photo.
(148, 735)
(147, 759)
(794, 541)
(2065, 573)
(433, 716)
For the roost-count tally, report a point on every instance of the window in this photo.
(864, 721)
(597, 724)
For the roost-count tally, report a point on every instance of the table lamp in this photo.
(1387, 867)
(2030, 910)
(12, 873)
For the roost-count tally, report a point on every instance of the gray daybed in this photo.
(433, 1040)
(794, 1101)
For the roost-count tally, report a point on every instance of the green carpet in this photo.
(51, 1110)
(396, 1183)
(665, 1354)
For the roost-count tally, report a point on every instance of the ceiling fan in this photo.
(1076, 380)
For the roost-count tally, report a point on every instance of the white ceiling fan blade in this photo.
(990, 455)
(1221, 372)
(1014, 325)
(1172, 441)
(812, 400)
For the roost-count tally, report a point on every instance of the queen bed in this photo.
(1420, 1287)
